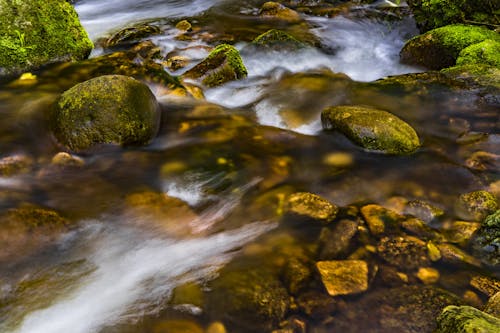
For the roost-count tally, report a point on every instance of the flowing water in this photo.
(115, 268)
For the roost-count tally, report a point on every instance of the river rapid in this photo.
(116, 268)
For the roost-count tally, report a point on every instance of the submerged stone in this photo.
(344, 277)
(132, 34)
(466, 319)
(380, 219)
(37, 32)
(312, 206)
(440, 48)
(110, 109)
(476, 205)
(487, 53)
(486, 241)
(15, 164)
(223, 64)
(278, 11)
(493, 305)
(372, 129)
(406, 253)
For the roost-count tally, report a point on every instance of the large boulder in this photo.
(437, 13)
(371, 128)
(36, 32)
(223, 64)
(487, 52)
(110, 109)
(466, 319)
(440, 48)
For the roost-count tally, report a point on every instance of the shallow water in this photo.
(114, 270)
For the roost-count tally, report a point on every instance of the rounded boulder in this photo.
(110, 109)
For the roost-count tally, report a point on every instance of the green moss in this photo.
(33, 33)
(107, 109)
(486, 241)
(277, 38)
(476, 205)
(372, 129)
(440, 48)
(486, 52)
(466, 319)
(223, 64)
(476, 75)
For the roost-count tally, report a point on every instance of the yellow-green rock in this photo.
(343, 277)
(312, 206)
(372, 129)
(466, 319)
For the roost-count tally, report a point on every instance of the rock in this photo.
(440, 48)
(111, 109)
(483, 161)
(407, 309)
(276, 10)
(187, 294)
(223, 64)
(344, 277)
(216, 327)
(434, 14)
(278, 39)
(337, 241)
(37, 32)
(476, 76)
(406, 253)
(487, 52)
(248, 299)
(486, 241)
(493, 305)
(184, 25)
(453, 255)
(28, 229)
(380, 219)
(132, 35)
(15, 164)
(420, 229)
(476, 205)
(176, 62)
(466, 319)
(371, 128)
(311, 206)
(423, 210)
(489, 286)
(177, 326)
(428, 275)
(317, 305)
(67, 160)
(296, 275)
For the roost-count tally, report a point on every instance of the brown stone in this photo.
(344, 277)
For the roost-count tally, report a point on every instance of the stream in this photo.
(116, 267)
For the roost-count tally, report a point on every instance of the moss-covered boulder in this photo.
(431, 14)
(111, 109)
(278, 39)
(248, 299)
(466, 319)
(440, 48)
(223, 64)
(476, 76)
(37, 32)
(486, 241)
(487, 52)
(476, 205)
(372, 129)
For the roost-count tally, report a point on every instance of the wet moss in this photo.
(278, 39)
(486, 241)
(108, 109)
(372, 129)
(440, 48)
(475, 75)
(486, 52)
(476, 205)
(223, 64)
(33, 33)
(466, 319)
(129, 35)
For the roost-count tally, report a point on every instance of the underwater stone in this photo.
(372, 129)
(486, 241)
(132, 34)
(278, 39)
(476, 205)
(312, 206)
(111, 109)
(223, 64)
(37, 32)
(344, 277)
(466, 319)
(440, 48)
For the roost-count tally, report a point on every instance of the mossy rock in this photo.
(487, 52)
(372, 129)
(278, 39)
(407, 253)
(440, 48)
(466, 319)
(476, 205)
(486, 241)
(476, 76)
(132, 34)
(37, 32)
(431, 14)
(110, 109)
(248, 299)
(277, 11)
(311, 206)
(27, 229)
(223, 64)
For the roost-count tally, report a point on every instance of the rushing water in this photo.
(116, 267)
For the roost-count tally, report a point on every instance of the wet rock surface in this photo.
(466, 319)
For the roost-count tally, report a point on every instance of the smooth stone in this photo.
(312, 206)
(344, 277)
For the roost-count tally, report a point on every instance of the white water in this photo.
(134, 276)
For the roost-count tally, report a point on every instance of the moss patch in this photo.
(372, 129)
(223, 64)
(486, 52)
(278, 39)
(466, 319)
(440, 48)
(36, 32)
